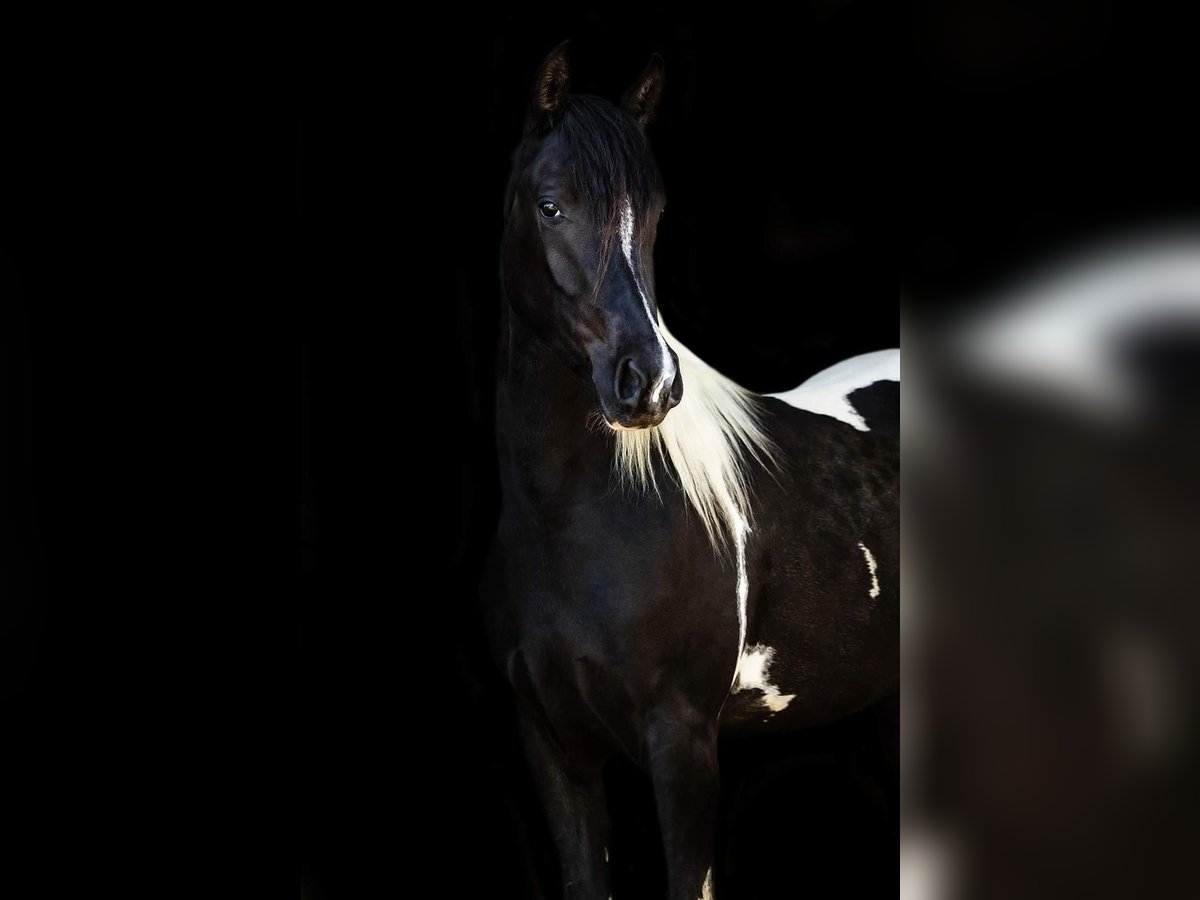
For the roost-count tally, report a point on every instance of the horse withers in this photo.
(677, 558)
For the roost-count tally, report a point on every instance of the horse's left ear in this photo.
(642, 99)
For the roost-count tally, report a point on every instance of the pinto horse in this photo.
(677, 558)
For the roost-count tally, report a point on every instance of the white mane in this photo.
(707, 439)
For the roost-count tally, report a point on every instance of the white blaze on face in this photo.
(872, 567)
(666, 369)
(706, 891)
(753, 674)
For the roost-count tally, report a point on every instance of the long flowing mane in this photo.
(707, 442)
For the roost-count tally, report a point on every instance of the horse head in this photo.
(582, 209)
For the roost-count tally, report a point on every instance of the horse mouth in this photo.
(619, 420)
(640, 424)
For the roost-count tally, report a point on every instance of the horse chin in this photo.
(639, 424)
(641, 420)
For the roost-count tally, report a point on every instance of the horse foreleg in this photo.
(682, 761)
(572, 797)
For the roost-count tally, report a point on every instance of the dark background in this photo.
(182, 198)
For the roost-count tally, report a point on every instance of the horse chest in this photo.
(606, 624)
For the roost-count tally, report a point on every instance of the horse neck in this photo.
(542, 411)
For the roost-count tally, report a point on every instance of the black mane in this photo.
(610, 157)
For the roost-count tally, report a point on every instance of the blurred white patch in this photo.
(927, 865)
(1143, 696)
(1056, 334)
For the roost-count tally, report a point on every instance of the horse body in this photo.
(637, 608)
(823, 570)
(618, 601)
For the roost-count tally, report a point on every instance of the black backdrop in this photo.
(182, 197)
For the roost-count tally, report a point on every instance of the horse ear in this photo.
(549, 88)
(642, 99)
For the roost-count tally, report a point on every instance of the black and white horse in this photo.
(677, 558)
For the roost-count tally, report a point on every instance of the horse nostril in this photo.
(630, 383)
(674, 391)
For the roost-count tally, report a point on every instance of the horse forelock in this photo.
(610, 164)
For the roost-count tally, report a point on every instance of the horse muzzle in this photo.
(643, 393)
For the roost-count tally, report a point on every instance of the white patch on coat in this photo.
(826, 392)
(753, 674)
(740, 530)
(873, 567)
(666, 369)
(706, 891)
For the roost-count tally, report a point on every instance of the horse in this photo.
(677, 558)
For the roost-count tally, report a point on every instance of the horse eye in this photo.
(549, 209)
